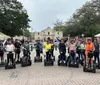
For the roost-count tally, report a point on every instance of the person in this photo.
(62, 49)
(1, 52)
(52, 48)
(96, 52)
(39, 48)
(82, 47)
(18, 49)
(78, 49)
(72, 48)
(10, 48)
(48, 47)
(26, 49)
(55, 45)
(89, 47)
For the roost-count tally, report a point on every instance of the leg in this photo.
(12, 59)
(18, 56)
(47, 54)
(8, 58)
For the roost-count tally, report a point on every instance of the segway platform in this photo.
(62, 63)
(2, 64)
(10, 66)
(48, 63)
(37, 59)
(26, 62)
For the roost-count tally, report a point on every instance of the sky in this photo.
(44, 13)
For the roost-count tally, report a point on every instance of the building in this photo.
(48, 33)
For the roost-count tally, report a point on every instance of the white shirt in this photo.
(10, 48)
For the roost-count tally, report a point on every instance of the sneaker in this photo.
(87, 66)
(64, 61)
(60, 61)
(91, 66)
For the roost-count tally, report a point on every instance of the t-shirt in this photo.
(72, 47)
(82, 46)
(89, 47)
(10, 48)
(47, 47)
(62, 47)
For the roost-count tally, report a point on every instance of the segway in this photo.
(61, 60)
(18, 51)
(73, 60)
(10, 65)
(89, 68)
(49, 61)
(26, 59)
(2, 63)
(38, 58)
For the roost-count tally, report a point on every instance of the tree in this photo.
(85, 20)
(13, 17)
(27, 33)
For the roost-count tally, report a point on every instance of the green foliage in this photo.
(27, 33)
(13, 17)
(86, 20)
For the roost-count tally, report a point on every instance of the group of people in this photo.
(15, 47)
(78, 46)
(81, 47)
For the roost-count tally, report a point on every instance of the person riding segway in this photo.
(39, 50)
(62, 57)
(96, 53)
(89, 64)
(26, 59)
(48, 60)
(2, 54)
(10, 62)
(73, 61)
(17, 51)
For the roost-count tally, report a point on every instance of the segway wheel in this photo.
(52, 63)
(99, 66)
(14, 66)
(34, 59)
(94, 69)
(84, 68)
(30, 62)
(6, 67)
(58, 63)
(41, 59)
(66, 63)
(22, 65)
(44, 62)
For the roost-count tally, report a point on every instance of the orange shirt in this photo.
(89, 47)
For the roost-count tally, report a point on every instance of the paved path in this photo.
(37, 74)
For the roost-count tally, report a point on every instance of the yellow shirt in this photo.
(47, 47)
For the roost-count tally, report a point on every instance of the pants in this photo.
(26, 53)
(62, 56)
(80, 55)
(38, 53)
(48, 56)
(96, 55)
(17, 54)
(52, 50)
(73, 57)
(10, 58)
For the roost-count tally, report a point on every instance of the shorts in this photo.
(1, 54)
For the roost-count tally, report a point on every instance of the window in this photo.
(58, 33)
(38, 33)
(48, 33)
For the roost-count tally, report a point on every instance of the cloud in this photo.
(44, 13)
